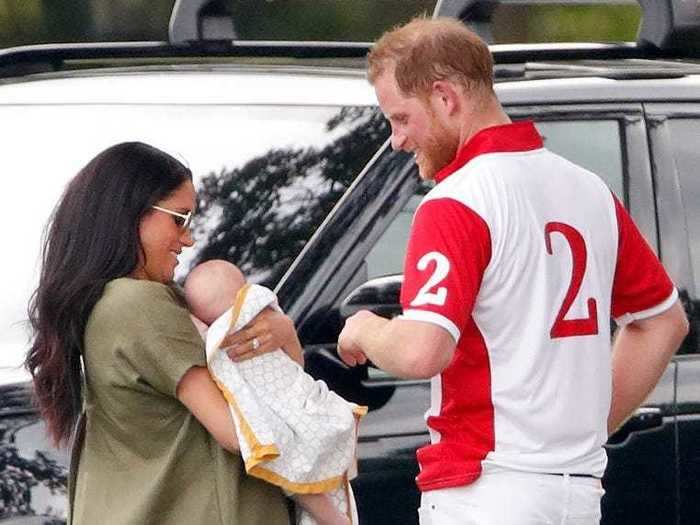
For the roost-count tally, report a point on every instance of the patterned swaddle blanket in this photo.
(293, 431)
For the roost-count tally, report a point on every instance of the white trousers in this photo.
(515, 498)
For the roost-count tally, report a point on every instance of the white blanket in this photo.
(293, 431)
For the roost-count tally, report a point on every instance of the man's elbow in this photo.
(420, 350)
(423, 364)
(420, 369)
(671, 326)
(682, 326)
(676, 322)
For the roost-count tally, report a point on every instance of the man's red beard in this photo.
(439, 150)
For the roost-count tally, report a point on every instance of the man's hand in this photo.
(349, 348)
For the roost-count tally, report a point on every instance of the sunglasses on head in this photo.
(183, 220)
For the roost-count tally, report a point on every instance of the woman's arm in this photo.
(272, 329)
(200, 325)
(322, 509)
(198, 392)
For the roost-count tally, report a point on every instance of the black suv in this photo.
(298, 186)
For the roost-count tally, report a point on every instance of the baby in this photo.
(293, 431)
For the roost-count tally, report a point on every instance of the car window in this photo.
(594, 144)
(684, 133)
(386, 256)
(266, 175)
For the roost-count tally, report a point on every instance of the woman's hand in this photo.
(268, 331)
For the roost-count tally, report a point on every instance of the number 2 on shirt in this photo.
(572, 327)
(442, 268)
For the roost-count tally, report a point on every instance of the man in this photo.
(517, 260)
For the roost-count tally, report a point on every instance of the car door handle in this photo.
(644, 418)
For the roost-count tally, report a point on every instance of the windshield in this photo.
(266, 176)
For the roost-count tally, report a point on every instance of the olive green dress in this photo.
(145, 458)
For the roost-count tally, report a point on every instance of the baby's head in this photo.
(211, 288)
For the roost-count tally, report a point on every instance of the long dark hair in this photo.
(91, 238)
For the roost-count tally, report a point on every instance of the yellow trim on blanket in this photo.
(258, 451)
(238, 304)
(359, 410)
(348, 498)
(262, 453)
(311, 487)
(235, 314)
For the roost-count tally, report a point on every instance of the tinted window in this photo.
(595, 145)
(684, 141)
(386, 256)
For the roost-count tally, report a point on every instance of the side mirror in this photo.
(379, 295)
(348, 382)
(644, 418)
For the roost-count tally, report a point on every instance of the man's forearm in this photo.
(404, 348)
(641, 352)
(381, 347)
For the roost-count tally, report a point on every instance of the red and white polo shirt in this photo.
(523, 257)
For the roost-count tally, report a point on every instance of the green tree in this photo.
(20, 22)
(556, 23)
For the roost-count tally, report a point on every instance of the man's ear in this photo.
(446, 97)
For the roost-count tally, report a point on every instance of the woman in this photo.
(158, 443)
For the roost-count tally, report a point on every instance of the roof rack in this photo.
(197, 29)
(198, 20)
(475, 13)
(670, 24)
(26, 60)
(203, 29)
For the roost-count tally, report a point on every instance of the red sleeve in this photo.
(641, 282)
(448, 251)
